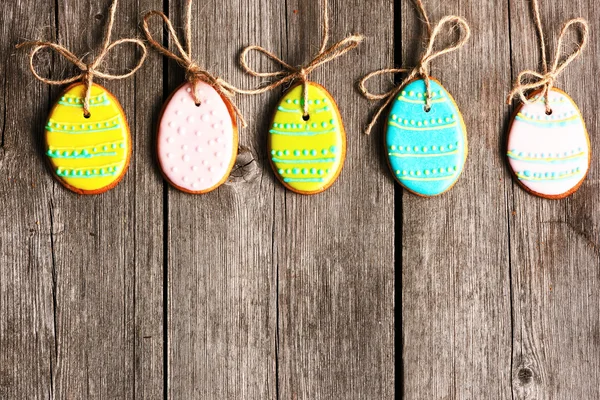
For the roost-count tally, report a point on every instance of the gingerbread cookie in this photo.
(426, 148)
(197, 144)
(549, 153)
(307, 153)
(88, 155)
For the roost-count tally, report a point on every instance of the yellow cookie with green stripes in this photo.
(88, 155)
(307, 153)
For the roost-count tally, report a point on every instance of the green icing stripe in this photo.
(423, 128)
(83, 131)
(80, 105)
(516, 156)
(304, 160)
(288, 110)
(305, 180)
(301, 133)
(62, 156)
(539, 176)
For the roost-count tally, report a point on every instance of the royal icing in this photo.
(307, 155)
(549, 154)
(426, 149)
(88, 155)
(196, 144)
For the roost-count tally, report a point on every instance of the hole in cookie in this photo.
(198, 104)
(427, 108)
(306, 117)
(549, 112)
(86, 115)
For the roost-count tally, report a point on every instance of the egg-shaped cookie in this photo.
(307, 153)
(197, 144)
(88, 155)
(426, 148)
(549, 153)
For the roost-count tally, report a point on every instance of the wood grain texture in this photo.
(221, 275)
(27, 319)
(455, 267)
(334, 252)
(253, 292)
(554, 244)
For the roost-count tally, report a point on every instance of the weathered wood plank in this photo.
(148, 214)
(221, 280)
(96, 256)
(27, 324)
(554, 244)
(455, 267)
(334, 252)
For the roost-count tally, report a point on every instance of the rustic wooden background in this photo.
(253, 292)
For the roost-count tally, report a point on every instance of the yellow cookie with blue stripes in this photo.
(88, 155)
(427, 148)
(307, 153)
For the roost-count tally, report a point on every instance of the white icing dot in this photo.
(189, 90)
(169, 155)
(207, 101)
(215, 126)
(184, 147)
(182, 99)
(185, 179)
(200, 179)
(212, 112)
(198, 133)
(172, 124)
(170, 140)
(204, 162)
(210, 142)
(178, 112)
(174, 169)
(191, 120)
(205, 118)
(219, 140)
(199, 149)
(211, 169)
(186, 158)
(218, 154)
(181, 131)
(194, 184)
(194, 167)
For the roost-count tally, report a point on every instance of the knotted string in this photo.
(290, 73)
(529, 79)
(194, 74)
(423, 67)
(88, 70)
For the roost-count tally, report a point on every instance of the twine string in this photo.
(88, 71)
(529, 79)
(194, 74)
(290, 73)
(422, 69)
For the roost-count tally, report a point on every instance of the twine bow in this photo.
(528, 80)
(290, 73)
(421, 70)
(194, 74)
(89, 71)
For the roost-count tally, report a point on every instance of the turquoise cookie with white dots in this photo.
(426, 148)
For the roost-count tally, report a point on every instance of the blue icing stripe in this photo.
(426, 150)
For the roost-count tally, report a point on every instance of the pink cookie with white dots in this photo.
(197, 145)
